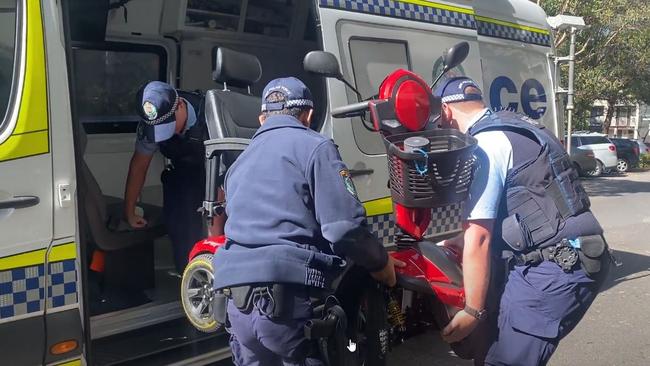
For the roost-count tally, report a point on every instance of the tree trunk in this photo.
(608, 117)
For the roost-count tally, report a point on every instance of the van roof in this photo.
(521, 12)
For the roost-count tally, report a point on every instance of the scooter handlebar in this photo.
(351, 110)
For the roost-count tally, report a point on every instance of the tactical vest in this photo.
(188, 149)
(540, 193)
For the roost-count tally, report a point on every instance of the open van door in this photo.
(38, 279)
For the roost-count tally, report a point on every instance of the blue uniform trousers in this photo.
(259, 340)
(183, 192)
(540, 305)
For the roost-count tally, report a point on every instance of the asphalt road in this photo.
(616, 329)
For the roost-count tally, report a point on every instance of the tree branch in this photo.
(584, 47)
(561, 40)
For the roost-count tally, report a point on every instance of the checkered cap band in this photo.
(289, 104)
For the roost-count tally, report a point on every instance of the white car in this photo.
(604, 151)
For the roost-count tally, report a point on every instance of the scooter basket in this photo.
(439, 177)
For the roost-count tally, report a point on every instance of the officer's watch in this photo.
(478, 314)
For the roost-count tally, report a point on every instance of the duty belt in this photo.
(563, 253)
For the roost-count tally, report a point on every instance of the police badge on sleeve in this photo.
(347, 181)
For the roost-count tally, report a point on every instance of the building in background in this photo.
(630, 120)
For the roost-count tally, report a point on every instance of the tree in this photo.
(613, 53)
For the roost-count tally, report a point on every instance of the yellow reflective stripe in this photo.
(58, 253)
(33, 103)
(512, 25)
(70, 363)
(432, 4)
(24, 145)
(380, 206)
(63, 252)
(30, 136)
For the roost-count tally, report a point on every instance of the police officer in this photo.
(525, 205)
(174, 123)
(293, 215)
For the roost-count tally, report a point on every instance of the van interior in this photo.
(131, 290)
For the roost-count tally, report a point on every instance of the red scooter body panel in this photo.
(419, 266)
(208, 245)
(413, 221)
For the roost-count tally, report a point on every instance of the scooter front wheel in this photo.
(197, 294)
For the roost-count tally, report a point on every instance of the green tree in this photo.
(612, 54)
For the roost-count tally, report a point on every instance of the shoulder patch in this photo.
(347, 181)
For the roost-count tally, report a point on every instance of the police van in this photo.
(77, 284)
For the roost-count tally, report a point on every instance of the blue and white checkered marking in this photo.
(431, 14)
(22, 290)
(397, 9)
(506, 32)
(444, 220)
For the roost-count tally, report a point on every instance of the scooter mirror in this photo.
(323, 64)
(456, 55)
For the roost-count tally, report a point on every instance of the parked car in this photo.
(583, 160)
(627, 152)
(644, 148)
(604, 151)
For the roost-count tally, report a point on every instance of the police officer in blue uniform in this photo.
(173, 122)
(527, 206)
(293, 216)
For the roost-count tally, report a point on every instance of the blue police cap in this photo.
(157, 103)
(296, 94)
(453, 89)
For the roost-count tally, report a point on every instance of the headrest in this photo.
(236, 68)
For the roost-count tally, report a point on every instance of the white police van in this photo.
(68, 76)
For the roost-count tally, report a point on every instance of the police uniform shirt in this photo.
(145, 147)
(494, 159)
(290, 186)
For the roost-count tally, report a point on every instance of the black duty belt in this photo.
(563, 253)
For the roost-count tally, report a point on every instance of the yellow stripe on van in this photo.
(70, 363)
(511, 25)
(380, 206)
(432, 4)
(30, 135)
(24, 145)
(57, 254)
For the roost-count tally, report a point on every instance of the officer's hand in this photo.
(459, 327)
(137, 221)
(387, 274)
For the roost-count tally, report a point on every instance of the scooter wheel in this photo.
(197, 294)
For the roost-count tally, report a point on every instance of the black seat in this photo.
(230, 113)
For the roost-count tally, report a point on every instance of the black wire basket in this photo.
(439, 176)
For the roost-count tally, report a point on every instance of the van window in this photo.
(7, 54)
(106, 83)
(269, 18)
(372, 61)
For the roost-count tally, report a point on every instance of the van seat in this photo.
(108, 229)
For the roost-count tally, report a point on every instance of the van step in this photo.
(173, 342)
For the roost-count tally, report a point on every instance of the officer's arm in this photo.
(476, 262)
(339, 212)
(135, 181)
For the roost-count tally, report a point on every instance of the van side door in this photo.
(26, 194)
